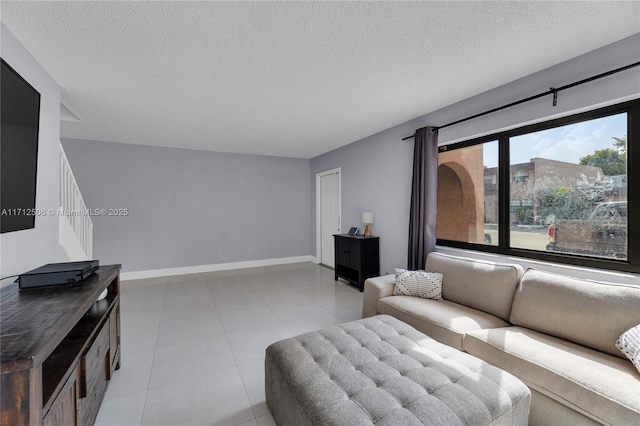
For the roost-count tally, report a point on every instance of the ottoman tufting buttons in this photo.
(296, 395)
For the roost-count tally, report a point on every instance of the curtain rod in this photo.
(552, 91)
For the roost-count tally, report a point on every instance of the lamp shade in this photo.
(367, 217)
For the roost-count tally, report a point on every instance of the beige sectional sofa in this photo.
(556, 333)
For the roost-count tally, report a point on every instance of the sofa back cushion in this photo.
(590, 313)
(486, 286)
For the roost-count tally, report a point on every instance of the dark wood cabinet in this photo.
(64, 409)
(356, 258)
(59, 347)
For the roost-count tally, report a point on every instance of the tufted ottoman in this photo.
(382, 371)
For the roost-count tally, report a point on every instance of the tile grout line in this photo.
(155, 347)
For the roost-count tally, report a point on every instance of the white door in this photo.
(329, 215)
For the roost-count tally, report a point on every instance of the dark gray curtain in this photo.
(424, 197)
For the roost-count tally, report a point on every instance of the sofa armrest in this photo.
(374, 289)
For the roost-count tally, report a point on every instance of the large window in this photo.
(558, 191)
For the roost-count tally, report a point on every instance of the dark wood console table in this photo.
(356, 258)
(60, 347)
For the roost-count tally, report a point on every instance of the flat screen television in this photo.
(20, 119)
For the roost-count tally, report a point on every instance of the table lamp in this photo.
(367, 219)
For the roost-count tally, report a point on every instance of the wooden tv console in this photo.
(59, 348)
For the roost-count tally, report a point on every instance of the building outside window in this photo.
(467, 204)
(553, 191)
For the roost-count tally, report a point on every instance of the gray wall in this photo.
(376, 171)
(189, 208)
(21, 251)
(376, 177)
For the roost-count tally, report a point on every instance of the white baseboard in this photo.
(154, 273)
(314, 259)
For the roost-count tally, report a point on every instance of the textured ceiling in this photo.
(294, 79)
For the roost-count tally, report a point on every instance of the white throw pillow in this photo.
(629, 344)
(418, 283)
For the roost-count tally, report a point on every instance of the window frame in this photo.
(632, 263)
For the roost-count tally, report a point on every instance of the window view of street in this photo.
(567, 186)
(569, 189)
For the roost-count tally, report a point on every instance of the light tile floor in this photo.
(193, 345)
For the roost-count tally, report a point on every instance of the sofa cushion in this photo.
(629, 344)
(593, 314)
(486, 286)
(598, 385)
(444, 321)
(423, 284)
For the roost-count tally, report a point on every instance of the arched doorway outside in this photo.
(457, 205)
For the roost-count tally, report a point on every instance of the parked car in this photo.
(603, 234)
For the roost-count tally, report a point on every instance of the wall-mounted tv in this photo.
(19, 121)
